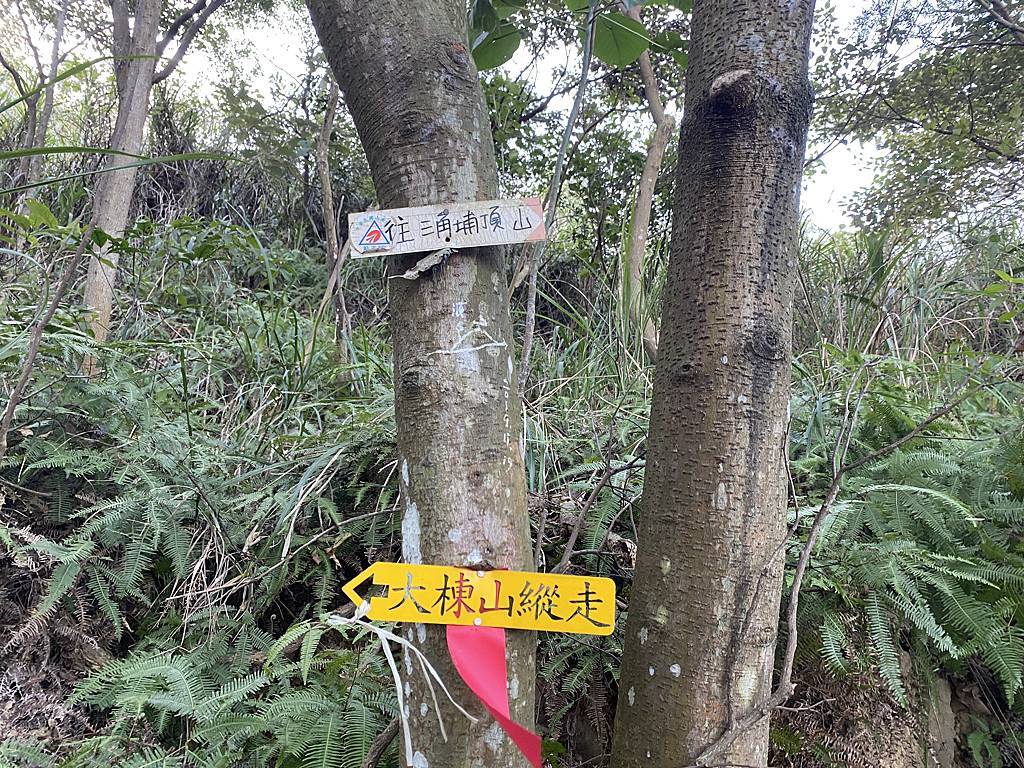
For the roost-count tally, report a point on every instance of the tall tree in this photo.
(412, 89)
(704, 605)
(136, 45)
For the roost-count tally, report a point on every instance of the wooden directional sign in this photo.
(438, 594)
(450, 225)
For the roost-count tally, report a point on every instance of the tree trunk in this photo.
(636, 254)
(335, 254)
(412, 89)
(42, 127)
(114, 188)
(704, 606)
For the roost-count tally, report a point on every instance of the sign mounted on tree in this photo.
(438, 594)
(449, 225)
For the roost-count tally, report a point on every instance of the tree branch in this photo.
(186, 40)
(979, 141)
(537, 252)
(609, 473)
(380, 744)
(19, 81)
(36, 338)
(999, 13)
(121, 43)
(633, 275)
(177, 24)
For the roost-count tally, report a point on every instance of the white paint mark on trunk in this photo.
(631, 695)
(746, 686)
(753, 43)
(411, 534)
(676, 670)
(493, 737)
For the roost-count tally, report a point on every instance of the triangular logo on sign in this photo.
(374, 236)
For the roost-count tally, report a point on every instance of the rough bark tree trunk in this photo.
(412, 89)
(704, 606)
(114, 188)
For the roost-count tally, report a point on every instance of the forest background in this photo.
(180, 502)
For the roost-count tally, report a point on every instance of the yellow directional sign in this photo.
(439, 594)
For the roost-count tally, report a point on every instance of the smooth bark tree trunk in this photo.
(703, 611)
(114, 188)
(636, 254)
(28, 142)
(42, 126)
(410, 84)
(336, 255)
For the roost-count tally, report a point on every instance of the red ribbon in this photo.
(479, 655)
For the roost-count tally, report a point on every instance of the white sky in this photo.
(277, 50)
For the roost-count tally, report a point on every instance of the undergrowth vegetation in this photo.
(176, 531)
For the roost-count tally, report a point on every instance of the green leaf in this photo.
(107, 169)
(505, 8)
(71, 72)
(576, 6)
(671, 42)
(484, 17)
(495, 48)
(64, 576)
(618, 40)
(68, 150)
(668, 40)
(1006, 277)
(39, 214)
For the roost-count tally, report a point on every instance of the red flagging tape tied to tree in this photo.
(479, 656)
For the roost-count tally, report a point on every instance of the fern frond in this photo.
(884, 646)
